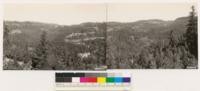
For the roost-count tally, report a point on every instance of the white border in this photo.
(143, 79)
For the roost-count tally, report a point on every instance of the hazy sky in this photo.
(77, 13)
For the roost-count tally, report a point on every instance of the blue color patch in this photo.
(118, 79)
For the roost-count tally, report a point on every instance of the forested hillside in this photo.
(144, 44)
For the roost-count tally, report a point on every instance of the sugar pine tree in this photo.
(158, 54)
(41, 52)
(143, 60)
(173, 48)
(172, 40)
(6, 41)
(102, 49)
(191, 33)
(6, 33)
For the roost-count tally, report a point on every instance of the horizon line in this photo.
(91, 21)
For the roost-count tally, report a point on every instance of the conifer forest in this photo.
(143, 44)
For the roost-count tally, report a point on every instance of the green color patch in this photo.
(110, 79)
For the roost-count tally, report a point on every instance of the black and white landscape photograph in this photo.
(100, 36)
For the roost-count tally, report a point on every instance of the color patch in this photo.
(110, 79)
(101, 79)
(83, 79)
(59, 79)
(126, 79)
(118, 79)
(67, 79)
(92, 79)
(75, 79)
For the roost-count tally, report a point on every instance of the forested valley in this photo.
(143, 44)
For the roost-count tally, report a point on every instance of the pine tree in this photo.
(173, 48)
(172, 40)
(158, 54)
(103, 45)
(41, 52)
(143, 60)
(6, 41)
(191, 33)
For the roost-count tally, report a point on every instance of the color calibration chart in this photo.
(93, 81)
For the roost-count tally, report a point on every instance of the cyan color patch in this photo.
(118, 79)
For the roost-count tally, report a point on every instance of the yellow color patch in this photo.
(101, 79)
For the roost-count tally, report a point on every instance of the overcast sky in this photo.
(67, 14)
